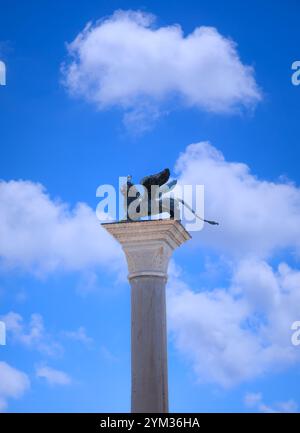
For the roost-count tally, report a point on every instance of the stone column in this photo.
(148, 246)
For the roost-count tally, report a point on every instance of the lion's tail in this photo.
(197, 216)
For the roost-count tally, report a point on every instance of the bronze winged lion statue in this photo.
(154, 200)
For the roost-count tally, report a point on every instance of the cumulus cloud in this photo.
(79, 335)
(107, 354)
(257, 281)
(42, 235)
(257, 217)
(13, 384)
(229, 334)
(240, 330)
(52, 376)
(127, 61)
(255, 401)
(32, 334)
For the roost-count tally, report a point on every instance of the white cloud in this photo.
(242, 330)
(206, 328)
(289, 406)
(127, 61)
(13, 384)
(79, 335)
(255, 401)
(41, 235)
(52, 376)
(31, 335)
(257, 217)
(108, 355)
(228, 334)
(257, 282)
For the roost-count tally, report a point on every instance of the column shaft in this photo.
(149, 371)
(148, 246)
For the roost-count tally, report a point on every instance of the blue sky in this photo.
(63, 287)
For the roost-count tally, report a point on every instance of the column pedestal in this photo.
(148, 246)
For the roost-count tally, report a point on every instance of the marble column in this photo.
(148, 246)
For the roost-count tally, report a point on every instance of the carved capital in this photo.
(148, 245)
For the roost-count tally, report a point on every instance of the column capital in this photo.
(148, 245)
